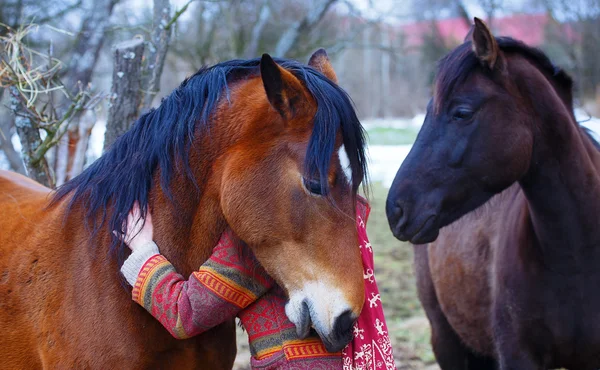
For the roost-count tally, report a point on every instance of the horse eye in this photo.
(462, 114)
(313, 186)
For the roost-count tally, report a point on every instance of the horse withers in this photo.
(504, 186)
(249, 144)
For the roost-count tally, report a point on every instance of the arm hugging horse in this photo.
(247, 144)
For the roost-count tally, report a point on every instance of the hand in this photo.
(138, 232)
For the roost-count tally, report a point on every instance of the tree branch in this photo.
(177, 15)
(59, 13)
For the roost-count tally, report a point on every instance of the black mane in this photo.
(455, 67)
(162, 138)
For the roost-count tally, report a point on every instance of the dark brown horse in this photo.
(504, 185)
(250, 144)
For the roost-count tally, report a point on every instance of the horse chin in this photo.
(320, 306)
(425, 236)
(425, 231)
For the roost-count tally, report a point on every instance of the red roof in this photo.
(528, 28)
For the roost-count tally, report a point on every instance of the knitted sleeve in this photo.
(229, 281)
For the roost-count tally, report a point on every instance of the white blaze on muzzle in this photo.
(318, 303)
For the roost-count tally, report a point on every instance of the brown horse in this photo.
(249, 144)
(508, 183)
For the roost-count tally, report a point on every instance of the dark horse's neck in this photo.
(562, 187)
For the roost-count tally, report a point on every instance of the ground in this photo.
(407, 324)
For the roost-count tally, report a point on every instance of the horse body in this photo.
(474, 272)
(53, 318)
(505, 187)
(201, 164)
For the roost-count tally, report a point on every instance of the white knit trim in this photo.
(134, 263)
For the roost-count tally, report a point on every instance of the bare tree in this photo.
(33, 80)
(291, 36)
(252, 47)
(83, 60)
(130, 78)
(125, 95)
(13, 157)
(37, 167)
(156, 52)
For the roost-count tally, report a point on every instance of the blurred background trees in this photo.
(384, 52)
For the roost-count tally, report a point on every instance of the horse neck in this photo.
(187, 230)
(562, 187)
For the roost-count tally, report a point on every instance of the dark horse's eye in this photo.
(462, 114)
(313, 186)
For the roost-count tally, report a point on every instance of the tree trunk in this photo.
(157, 51)
(125, 94)
(81, 67)
(61, 159)
(89, 43)
(86, 123)
(13, 157)
(367, 72)
(290, 38)
(37, 168)
(385, 72)
(263, 17)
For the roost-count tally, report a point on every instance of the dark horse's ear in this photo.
(282, 87)
(484, 45)
(320, 61)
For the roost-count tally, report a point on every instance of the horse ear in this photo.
(484, 44)
(281, 86)
(320, 61)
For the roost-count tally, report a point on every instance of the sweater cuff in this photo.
(136, 260)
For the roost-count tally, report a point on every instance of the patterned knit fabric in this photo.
(370, 348)
(228, 282)
(273, 340)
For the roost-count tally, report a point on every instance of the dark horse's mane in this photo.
(455, 67)
(162, 137)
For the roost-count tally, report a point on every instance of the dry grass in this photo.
(32, 72)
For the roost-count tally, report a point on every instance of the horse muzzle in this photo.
(324, 309)
(420, 229)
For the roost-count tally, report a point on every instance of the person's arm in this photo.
(230, 280)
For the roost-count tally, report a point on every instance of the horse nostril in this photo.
(395, 213)
(398, 211)
(342, 327)
(303, 327)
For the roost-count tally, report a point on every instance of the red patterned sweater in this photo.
(232, 283)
